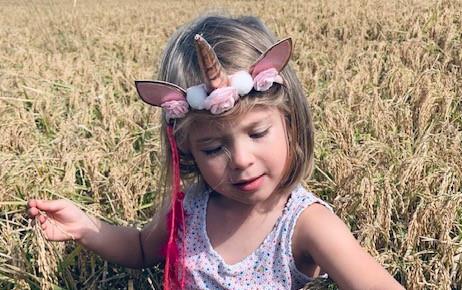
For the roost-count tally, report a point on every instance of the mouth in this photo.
(250, 184)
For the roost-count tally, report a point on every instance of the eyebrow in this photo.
(209, 139)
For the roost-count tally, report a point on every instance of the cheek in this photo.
(213, 175)
(211, 168)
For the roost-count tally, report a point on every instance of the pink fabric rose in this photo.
(221, 99)
(175, 109)
(265, 79)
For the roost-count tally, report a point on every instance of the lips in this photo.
(250, 184)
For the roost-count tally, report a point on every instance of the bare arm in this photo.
(124, 245)
(320, 234)
(62, 220)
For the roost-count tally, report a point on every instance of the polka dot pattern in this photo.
(270, 266)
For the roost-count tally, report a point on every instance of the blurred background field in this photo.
(383, 79)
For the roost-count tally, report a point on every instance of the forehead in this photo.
(257, 116)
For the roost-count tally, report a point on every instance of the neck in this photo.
(276, 201)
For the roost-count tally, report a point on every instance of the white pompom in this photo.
(196, 96)
(242, 81)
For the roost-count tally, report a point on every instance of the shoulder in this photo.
(323, 238)
(314, 215)
(311, 217)
(321, 234)
(317, 222)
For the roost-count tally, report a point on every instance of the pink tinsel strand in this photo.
(174, 261)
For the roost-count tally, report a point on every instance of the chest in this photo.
(229, 255)
(235, 238)
(234, 242)
(222, 248)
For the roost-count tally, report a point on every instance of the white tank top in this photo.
(270, 266)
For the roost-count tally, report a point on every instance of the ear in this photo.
(277, 56)
(157, 92)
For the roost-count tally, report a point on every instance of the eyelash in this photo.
(260, 134)
(217, 150)
(213, 151)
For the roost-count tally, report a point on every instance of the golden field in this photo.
(383, 78)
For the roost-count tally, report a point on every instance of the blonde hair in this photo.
(238, 43)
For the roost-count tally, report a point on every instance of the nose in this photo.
(241, 156)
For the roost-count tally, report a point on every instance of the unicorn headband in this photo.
(219, 92)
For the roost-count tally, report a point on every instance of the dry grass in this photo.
(383, 80)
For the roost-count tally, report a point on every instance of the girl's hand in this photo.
(61, 220)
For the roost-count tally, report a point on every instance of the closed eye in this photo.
(259, 134)
(212, 151)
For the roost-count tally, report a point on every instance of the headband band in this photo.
(219, 92)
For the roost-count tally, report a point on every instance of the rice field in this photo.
(383, 79)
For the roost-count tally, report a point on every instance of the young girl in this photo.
(240, 133)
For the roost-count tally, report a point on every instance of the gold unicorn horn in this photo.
(212, 72)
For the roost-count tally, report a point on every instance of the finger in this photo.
(42, 219)
(32, 203)
(50, 205)
(32, 212)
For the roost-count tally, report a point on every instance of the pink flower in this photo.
(265, 79)
(175, 109)
(221, 99)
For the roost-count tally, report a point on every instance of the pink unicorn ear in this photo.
(157, 92)
(277, 56)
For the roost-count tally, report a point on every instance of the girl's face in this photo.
(243, 160)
